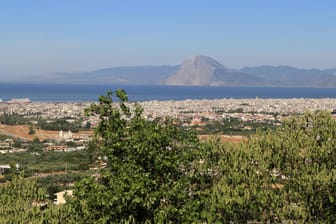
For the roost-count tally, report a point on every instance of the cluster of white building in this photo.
(184, 109)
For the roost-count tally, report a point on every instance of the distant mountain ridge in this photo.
(141, 75)
(290, 76)
(201, 71)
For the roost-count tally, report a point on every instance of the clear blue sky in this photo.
(41, 36)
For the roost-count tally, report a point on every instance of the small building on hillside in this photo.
(65, 135)
(56, 148)
(60, 197)
(3, 168)
(334, 112)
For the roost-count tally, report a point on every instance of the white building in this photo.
(65, 135)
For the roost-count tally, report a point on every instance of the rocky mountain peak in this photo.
(197, 70)
(201, 60)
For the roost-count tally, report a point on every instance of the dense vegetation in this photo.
(23, 201)
(48, 162)
(234, 126)
(157, 173)
(41, 123)
(13, 119)
(59, 124)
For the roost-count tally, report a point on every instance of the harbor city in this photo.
(186, 110)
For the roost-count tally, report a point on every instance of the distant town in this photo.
(244, 109)
(187, 112)
(59, 124)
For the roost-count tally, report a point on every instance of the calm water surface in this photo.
(80, 93)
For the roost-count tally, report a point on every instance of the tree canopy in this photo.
(158, 173)
(147, 178)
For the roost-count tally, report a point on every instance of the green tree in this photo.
(31, 131)
(23, 201)
(35, 146)
(301, 155)
(17, 143)
(147, 178)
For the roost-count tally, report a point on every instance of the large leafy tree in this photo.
(238, 188)
(301, 156)
(148, 173)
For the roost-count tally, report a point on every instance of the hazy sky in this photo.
(40, 36)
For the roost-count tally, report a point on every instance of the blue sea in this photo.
(83, 93)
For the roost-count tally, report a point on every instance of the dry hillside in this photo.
(21, 131)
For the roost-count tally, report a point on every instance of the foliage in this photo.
(31, 131)
(23, 201)
(303, 155)
(4, 137)
(13, 119)
(147, 178)
(57, 182)
(234, 126)
(17, 143)
(58, 125)
(48, 162)
(158, 173)
(35, 146)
